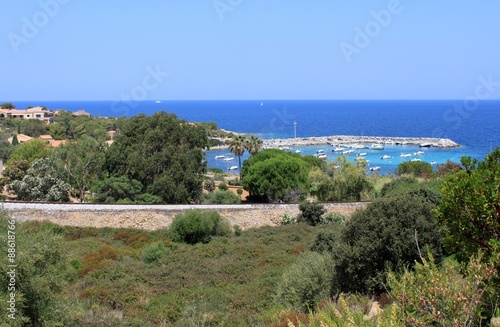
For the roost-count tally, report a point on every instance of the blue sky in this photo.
(248, 49)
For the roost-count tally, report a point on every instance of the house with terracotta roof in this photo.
(38, 113)
(56, 143)
(46, 138)
(21, 138)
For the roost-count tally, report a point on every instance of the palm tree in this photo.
(253, 145)
(237, 147)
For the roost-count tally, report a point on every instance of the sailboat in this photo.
(262, 104)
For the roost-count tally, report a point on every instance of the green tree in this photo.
(7, 105)
(29, 151)
(415, 168)
(306, 282)
(82, 161)
(253, 145)
(386, 235)
(113, 189)
(339, 181)
(32, 127)
(237, 147)
(6, 149)
(470, 208)
(275, 175)
(15, 140)
(42, 182)
(15, 172)
(209, 186)
(196, 226)
(42, 271)
(311, 213)
(163, 153)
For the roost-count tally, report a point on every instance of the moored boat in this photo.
(377, 146)
(385, 156)
(405, 155)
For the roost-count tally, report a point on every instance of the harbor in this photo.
(381, 154)
(351, 140)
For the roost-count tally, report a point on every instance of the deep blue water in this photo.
(476, 126)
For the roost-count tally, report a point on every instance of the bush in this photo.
(224, 197)
(432, 295)
(333, 218)
(311, 213)
(288, 219)
(196, 226)
(415, 168)
(325, 241)
(209, 186)
(306, 282)
(223, 186)
(153, 252)
(383, 236)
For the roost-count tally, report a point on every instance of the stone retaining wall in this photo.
(245, 216)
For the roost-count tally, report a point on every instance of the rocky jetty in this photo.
(349, 140)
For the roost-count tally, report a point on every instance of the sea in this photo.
(474, 124)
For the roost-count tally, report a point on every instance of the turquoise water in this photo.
(373, 156)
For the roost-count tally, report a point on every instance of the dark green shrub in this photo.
(306, 282)
(384, 236)
(223, 186)
(224, 197)
(333, 218)
(415, 168)
(325, 241)
(209, 185)
(311, 213)
(196, 226)
(237, 230)
(153, 252)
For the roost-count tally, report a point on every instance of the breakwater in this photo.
(348, 140)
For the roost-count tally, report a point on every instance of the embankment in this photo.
(153, 217)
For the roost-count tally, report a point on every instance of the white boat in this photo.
(361, 154)
(425, 145)
(228, 158)
(405, 155)
(377, 146)
(434, 163)
(339, 149)
(298, 151)
(233, 168)
(375, 168)
(262, 104)
(390, 142)
(321, 152)
(348, 151)
(358, 158)
(157, 101)
(220, 157)
(322, 156)
(419, 153)
(359, 146)
(385, 156)
(415, 159)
